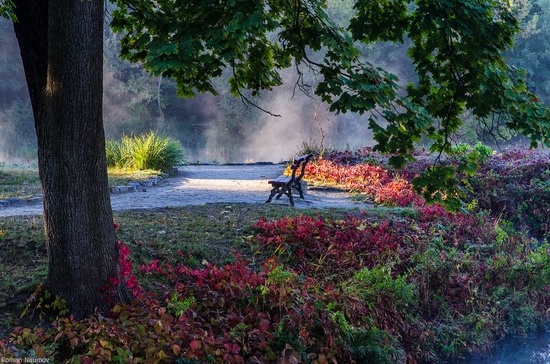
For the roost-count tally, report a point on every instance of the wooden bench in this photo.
(284, 184)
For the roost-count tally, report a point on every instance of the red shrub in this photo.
(363, 177)
(398, 192)
(330, 248)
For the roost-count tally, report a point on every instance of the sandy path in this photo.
(196, 185)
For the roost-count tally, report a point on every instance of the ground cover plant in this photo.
(513, 183)
(232, 283)
(208, 232)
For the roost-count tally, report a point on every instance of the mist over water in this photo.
(533, 349)
(281, 137)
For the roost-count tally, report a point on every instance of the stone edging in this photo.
(137, 186)
(16, 201)
(140, 186)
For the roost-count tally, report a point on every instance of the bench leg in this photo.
(273, 193)
(280, 191)
(298, 187)
(287, 190)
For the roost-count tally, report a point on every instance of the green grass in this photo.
(18, 182)
(122, 176)
(23, 182)
(145, 151)
(23, 263)
(209, 232)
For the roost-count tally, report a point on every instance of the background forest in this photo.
(223, 129)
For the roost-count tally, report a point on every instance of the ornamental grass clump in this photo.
(145, 151)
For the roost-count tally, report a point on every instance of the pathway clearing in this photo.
(202, 184)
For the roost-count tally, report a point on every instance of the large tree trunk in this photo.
(66, 94)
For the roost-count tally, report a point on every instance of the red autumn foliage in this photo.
(362, 172)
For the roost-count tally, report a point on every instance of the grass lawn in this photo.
(20, 182)
(23, 182)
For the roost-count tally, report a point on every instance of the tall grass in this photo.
(145, 151)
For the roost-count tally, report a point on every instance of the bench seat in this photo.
(280, 181)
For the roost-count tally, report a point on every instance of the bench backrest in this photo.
(300, 163)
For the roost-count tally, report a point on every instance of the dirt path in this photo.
(201, 184)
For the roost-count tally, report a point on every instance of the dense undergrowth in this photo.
(421, 288)
(513, 184)
(425, 285)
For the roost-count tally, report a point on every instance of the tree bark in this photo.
(31, 30)
(66, 94)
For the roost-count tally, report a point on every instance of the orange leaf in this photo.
(176, 349)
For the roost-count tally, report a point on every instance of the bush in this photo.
(145, 151)
(516, 185)
(364, 172)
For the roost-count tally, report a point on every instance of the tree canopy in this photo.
(456, 50)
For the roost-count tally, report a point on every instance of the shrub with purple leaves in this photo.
(516, 185)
